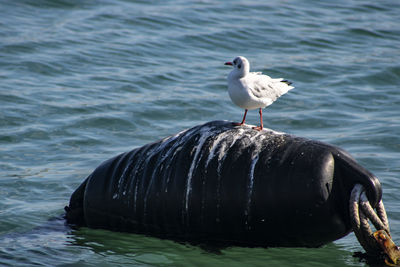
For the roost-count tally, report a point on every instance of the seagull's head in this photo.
(241, 66)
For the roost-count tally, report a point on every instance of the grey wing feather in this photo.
(265, 90)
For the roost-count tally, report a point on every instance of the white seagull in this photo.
(252, 90)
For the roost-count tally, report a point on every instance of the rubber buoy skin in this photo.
(232, 185)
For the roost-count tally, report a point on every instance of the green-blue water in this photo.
(82, 81)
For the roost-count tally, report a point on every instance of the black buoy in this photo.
(225, 184)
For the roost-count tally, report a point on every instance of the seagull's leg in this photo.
(259, 128)
(244, 118)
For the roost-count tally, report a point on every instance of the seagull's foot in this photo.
(237, 123)
(258, 128)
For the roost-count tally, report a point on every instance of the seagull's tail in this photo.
(283, 85)
(286, 81)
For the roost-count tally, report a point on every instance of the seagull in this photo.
(252, 90)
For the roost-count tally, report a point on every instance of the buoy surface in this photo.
(220, 183)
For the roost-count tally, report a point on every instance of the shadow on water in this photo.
(155, 251)
(62, 244)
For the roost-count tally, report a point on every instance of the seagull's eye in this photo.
(239, 66)
(234, 62)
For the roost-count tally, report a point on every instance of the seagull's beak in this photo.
(228, 63)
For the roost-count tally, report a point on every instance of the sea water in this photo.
(82, 81)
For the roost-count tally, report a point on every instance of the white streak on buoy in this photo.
(176, 147)
(121, 186)
(222, 152)
(250, 187)
(221, 158)
(257, 141)
(164, 143)
(214, 146)
(204, 134)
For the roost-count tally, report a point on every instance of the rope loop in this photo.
(379, 243)
(361, 212)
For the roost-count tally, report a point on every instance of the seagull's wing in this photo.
(264, 86)
(257, 73)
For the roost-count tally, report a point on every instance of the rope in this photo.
(360, 214)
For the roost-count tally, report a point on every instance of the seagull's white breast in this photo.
(240, 92)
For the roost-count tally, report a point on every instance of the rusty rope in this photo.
(360, 213)
(379, 242)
